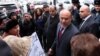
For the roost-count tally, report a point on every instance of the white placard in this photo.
(36, 48)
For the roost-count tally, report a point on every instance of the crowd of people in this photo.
(62, 32)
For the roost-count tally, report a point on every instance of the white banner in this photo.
(36, 48)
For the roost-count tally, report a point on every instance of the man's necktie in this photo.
(60, 33)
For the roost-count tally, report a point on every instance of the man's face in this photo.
(52, 11)
(27, 17)
(46, 9)
(97, 7)
(83, 13)
(65, 19)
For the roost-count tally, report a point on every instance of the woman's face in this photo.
(14, 30)
(38, 12)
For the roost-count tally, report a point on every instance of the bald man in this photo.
(65, 30)
(88, 24)
(84, 11)
(84, 14)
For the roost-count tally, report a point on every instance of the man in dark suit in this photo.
(4, 49)
(88, 25)
(51, 26)
(45, 16)
(75, 12)
(65, 31)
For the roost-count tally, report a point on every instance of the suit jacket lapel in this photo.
(58, 27)
(66, 32)
(87, 22)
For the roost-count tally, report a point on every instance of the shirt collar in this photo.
(60, 26)
(87, 17)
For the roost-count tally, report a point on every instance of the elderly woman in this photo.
(19, 46)
(11, 28)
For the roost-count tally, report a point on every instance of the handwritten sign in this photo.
(36, 48)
